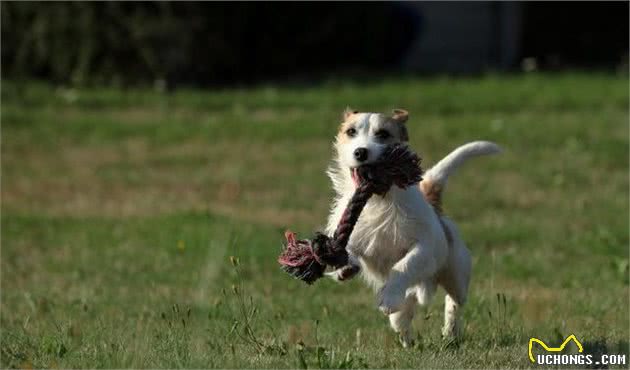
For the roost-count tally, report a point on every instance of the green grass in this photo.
(121, 209)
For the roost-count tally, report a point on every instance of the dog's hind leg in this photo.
(455, 279)
(401, 321)
(456, 287)
(452, 323)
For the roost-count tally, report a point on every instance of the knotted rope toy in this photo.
(307, 259)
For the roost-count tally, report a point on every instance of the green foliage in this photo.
(74, 42)
(192, 43)
(121, 211)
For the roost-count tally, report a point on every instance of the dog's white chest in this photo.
(380, 239)
(386, 230)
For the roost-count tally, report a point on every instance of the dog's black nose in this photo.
(360, 154)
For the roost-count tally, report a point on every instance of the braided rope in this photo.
(333, 252)
(351, 215)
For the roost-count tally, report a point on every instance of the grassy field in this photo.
(121, 210)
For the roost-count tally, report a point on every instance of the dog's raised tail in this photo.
(434, 180)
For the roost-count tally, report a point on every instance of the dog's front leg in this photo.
(418, 264)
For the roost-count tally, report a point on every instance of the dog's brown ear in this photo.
(348, 112)
(400, 115)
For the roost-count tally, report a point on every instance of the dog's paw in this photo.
(406, 340)
(391, 299)
(344, 273)
(452, 330)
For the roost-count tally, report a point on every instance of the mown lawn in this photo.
(121, 209)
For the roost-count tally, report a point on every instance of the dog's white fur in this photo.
(404, 247)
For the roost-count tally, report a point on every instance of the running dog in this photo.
(402, 243)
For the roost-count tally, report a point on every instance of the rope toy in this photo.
(307, 259)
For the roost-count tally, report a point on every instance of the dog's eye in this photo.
(351, 132)
(382, 134)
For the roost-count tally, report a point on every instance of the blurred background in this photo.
(209, 44)
(145, 143)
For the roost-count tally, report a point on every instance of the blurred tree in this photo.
(209, 43)
(196, 43)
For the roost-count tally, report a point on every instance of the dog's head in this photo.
(362, 137)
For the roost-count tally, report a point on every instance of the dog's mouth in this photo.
(354, 174)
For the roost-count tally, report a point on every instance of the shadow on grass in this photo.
(600, 347)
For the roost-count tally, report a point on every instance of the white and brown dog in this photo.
(402, 243)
